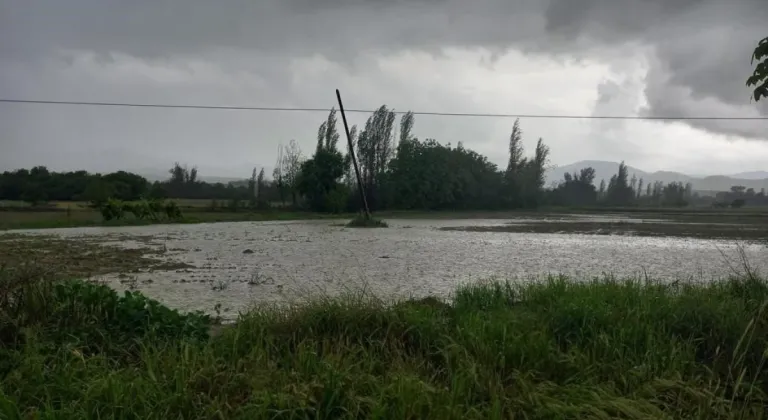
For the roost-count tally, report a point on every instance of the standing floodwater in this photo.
(236, 264)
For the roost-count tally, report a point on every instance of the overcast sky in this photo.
(576, 57)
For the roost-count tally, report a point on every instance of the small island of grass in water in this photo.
(364, 221)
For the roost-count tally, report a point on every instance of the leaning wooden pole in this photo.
(354, 159)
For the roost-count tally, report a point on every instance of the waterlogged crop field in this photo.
(230, 266)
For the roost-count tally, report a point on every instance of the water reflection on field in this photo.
(242, 263)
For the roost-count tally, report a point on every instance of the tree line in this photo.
(39, 185)
(578, 189)
(397, 171)
(400, 171)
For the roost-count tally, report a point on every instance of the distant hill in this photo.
(606, 169)
(751, 175)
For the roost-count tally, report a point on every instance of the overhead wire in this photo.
(368, 111)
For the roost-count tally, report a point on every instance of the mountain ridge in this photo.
(606, 169)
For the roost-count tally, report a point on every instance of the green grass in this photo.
(17, 215)
(553, 350)
(10, 220)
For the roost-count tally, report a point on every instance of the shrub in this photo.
(112, 209)
(172, 210)
(89, 316)
(144, 209)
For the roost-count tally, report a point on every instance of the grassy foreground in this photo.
(555, 350)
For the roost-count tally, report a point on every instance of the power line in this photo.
(368, 111)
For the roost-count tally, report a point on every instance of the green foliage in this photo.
(619, 192)
(320, 177)
(374, 152)
(417, 174)
(144, 209)
(172, 210)
(428, 175)
(87, 318)
(125, 185)
(34, 194)
(759, 78)
(336, 200)
(577, 189)
(112, 209)
(39, 184)
(290, 169)
(554, 349)
(98, 191)
(675, 194)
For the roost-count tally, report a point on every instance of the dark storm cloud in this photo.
(700, 48)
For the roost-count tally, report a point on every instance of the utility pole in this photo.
(354, 159)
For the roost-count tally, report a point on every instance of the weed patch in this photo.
(554, 349)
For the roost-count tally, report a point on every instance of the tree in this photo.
(374, 151)
(406, 126)
(429, 176)
(577, 189)
(183, 182)
(253, 188)
(291, 168)
(98, 191)
(327, 135)
(34, 194)
(516, 161)
(531, 176)
(261, 197)
(674, 194)
(601, 191)
(619, 192)
(277, 174)
(128, 186)
(349, 170)
(319, 177)
(759, 78)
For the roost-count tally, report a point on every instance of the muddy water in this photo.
(239, 264)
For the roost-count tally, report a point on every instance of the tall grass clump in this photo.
(363, 221)
(556, 349)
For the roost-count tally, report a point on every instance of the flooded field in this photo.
(237, 264)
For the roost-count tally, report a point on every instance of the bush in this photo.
(112, 209)
(172, 210)
(336, 200)
(152, 209)
(91, 317)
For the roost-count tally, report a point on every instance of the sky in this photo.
(546, 57)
